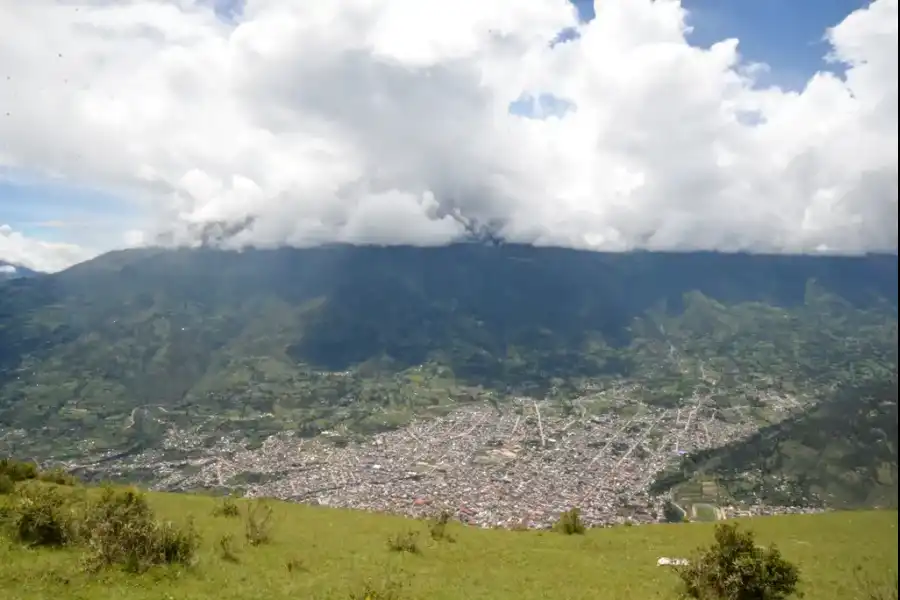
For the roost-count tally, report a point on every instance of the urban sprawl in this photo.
(518, 465)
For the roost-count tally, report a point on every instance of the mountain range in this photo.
(311, 339)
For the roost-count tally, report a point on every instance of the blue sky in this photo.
(786, 34)
(60, 213)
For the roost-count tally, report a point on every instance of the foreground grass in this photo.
(323, 554)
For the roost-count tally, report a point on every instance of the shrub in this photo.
(404, 542)
(438, 527)
(7, 485)
(125, 532)
(227, 508)
(118, 528)
(41, 515)
(735, 568)
(390, 590)
(17, 471)
(258, 523)
(570, 523)
(227, 548)
(57, 476)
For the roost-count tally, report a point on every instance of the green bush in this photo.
(57, 476)
(7, 485)
(118, 528)
(40, 515)
(570, 523)
(16, 471)
(125, 532)
(735, 568)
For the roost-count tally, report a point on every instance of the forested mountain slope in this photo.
(321, 336)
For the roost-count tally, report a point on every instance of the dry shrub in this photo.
(227, 508)
(404, 542)
(438, 527)
(258, 524)
(389, 589)
(227, 548)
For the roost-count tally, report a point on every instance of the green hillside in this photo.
(109, 353)
(323, 554)
(840, 453)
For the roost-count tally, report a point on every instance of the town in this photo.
(512, 466)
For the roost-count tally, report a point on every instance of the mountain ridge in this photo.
(9, 270)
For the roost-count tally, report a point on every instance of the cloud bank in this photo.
(387, 121)
(37, 255)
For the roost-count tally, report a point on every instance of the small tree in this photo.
(735, 568)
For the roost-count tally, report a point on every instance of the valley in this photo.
(504, 391)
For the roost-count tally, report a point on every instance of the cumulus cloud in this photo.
(38, 255)
(387, 121)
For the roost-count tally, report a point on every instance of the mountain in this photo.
(839, 453)
(100, 355)
(12, 271)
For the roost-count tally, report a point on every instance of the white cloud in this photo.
(38, 255)
(386, 120)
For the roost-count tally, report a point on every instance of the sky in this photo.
(764, 126)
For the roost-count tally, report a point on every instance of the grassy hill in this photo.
(322, 554)
(102, 355)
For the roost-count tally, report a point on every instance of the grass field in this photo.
(320, 553)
